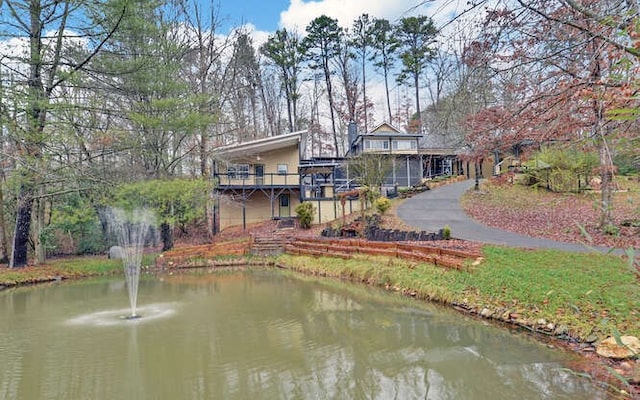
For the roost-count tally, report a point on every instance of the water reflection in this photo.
(134, 379)
(264, 335)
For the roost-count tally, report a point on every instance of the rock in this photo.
(116, 253)
(486, 313)
(635, 374)
(591, 338)
(562, 330)
(611, 349)
(477, 261)
(625, 367)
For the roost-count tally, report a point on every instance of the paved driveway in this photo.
(433, 209)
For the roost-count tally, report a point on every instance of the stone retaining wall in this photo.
(347, 248)
(195, 255)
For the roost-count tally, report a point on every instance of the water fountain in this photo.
(131, 229)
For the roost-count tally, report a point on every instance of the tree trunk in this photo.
(287, 96)
(294, 105)
(600, 134)
(417, 88)
(386, 90)
(606, 176)
(166, 235)
(210, 215)
(22, 228)
(4, 254)
(38, 224)
(331, 111)
(364, 93)
(205, 173)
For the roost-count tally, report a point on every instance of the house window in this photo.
(282, 169)
(238, 171)
(242, 171)
(376, 144)
(403, 144)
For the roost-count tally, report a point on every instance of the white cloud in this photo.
(14, 52)
(301, 12)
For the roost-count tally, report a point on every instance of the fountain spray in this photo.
(131, 229)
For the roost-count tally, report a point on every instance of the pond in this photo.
(262, 335)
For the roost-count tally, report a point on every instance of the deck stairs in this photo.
(270, 244)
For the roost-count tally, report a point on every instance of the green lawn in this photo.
(67, 268)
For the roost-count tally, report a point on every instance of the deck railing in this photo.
(260, 180)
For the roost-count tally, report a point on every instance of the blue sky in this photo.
(263, 14)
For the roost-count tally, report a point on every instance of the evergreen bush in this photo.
(446, 232)
(306, 212)
(382, 204)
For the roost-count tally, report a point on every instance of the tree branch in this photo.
(95, 51)
(629, 50)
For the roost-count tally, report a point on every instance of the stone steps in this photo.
(268, 245)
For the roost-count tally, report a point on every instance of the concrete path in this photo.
(433, 209)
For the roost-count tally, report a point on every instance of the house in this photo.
(257, 180)
(267, 178)
(415, 157)
(385, 139)
(439, 154)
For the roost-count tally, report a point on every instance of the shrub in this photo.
(446, 232)
(306, 212)
(382, 204)
(74, 228)
(561, 169)
(174, 202)
(611, 230)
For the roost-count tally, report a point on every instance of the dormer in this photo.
(385, 139)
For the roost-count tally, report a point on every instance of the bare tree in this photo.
(204, 63)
